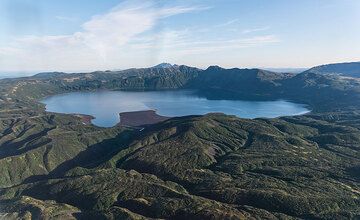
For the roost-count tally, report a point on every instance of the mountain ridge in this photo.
(350, 69)
(213, 166)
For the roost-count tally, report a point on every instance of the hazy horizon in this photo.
(15, 74)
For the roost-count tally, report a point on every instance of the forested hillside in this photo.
(198, 167)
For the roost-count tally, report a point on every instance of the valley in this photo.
(211, 166)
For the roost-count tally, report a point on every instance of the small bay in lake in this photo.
(105, 106)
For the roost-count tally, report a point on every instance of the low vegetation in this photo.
(215, 166)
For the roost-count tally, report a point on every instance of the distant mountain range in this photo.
(350, 69)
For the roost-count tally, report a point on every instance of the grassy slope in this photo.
(214, 166)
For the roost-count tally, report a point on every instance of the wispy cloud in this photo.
(227, 23)
(126, 36)
(65, 18)
(183, 42)
(101, 37)
(247, 31)
(183, 46)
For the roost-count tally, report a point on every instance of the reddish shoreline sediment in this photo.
(86, 119)
(140, 118)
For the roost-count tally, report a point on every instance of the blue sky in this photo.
(86, 35)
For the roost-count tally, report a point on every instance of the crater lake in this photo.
(105, 106)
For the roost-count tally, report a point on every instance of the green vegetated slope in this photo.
(197, 167)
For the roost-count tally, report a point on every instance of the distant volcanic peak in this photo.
(215, 67)
(165, 65)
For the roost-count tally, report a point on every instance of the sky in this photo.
(89, 35)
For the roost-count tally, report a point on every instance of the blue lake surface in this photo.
(105, 106)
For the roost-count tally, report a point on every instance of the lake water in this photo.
(105, 106)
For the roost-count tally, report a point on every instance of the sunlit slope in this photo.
(213, 166)
(300, 166)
